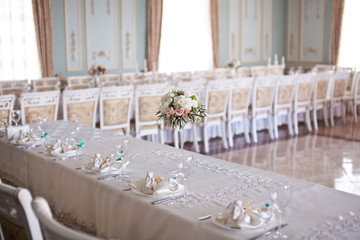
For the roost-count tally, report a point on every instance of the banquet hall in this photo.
(179, 119)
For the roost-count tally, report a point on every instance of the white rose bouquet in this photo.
(233, 63)
(180, 107)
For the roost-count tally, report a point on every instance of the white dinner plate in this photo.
(179, 192)
(65, 154)
(86, 166)
(30, 143)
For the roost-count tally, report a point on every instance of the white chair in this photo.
(196, 87)
(39, 105)
(223, 73)
(275, 70)
(80, 82)
(181, 77)
(338, 94)
(258, 71)
(302, 99)
(147, 102)
(6, 105)
(355, 99)
(53, 230)
(46, 84)
(283, 101)
(18, 219)
(323, 68)
(262, 103)
(129, 78)
(242, 72)
(216, 100)
(108, 80)
(320, 96)
(159, 78)
(206, 75)
(15, 87)
(238, 107)
(80, 106)
(116, 108)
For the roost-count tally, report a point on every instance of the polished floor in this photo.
(330, 156)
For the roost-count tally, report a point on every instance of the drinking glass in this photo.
(185, 169)
(15, 116)
(280, 198)
(3, 125)
(173, 185)
(75, 140)
(122, 149)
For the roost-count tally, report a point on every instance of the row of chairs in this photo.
(22, 217)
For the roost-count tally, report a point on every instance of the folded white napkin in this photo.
(240, 216)
(26, 137)
(158, 187)
(107, 164)
(61, 148)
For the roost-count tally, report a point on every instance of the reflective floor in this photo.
(330, 157)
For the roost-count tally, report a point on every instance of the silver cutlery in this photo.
(112, 176)
(126, 189)
(77, 168)
(166, 199)
(269, 231)
(204, 217)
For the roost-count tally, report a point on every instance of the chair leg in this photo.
(246, 130)
(253, 131)
(229, 134)
(308, 120)
(316, 127)
(343, 111)
(271, 131)
(332, 115)
(196, 144)
(176, 138)
(290, 128)
(355, 113)
(325, 115)
(161, 136)
(276, 131)
(223, 135)
(296, 128)
(206, 143)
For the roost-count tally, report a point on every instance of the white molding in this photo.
(133, 37)
(233, 42)
(264, 58)
(296, 37)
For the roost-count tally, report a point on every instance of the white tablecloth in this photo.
(103, 207)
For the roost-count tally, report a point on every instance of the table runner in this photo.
(102, 206)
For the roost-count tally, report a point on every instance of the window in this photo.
(19, 57)
(350, 37)
(186, 43)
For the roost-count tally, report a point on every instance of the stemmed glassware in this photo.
(185, 167)
(122, 149)
(280, 198)
(75, 140)
(15, 116)
(173, 185)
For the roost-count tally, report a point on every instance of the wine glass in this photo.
(280, 198)
(15, 116)
(122, 149)
(173, 186)
(3, 125)
(185, 170)
(75, 140)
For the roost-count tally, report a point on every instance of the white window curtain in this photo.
(185, 36)
(349, 52)
(19, 57)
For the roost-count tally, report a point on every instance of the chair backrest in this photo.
(181, 77)
(115, 107)
(263, 94)
(207, 75)
(80, 106)
(6, 105)
(129, 78)
(239, 95)
(323, 68)
(80, 82)
(17, 215)
(108, 80)
(339, 83)
(39, 105)
(285, 91)
(159, 78)
(46, 84)
(52, 229)
(147, 102)
(216, 98)
(275, 70)
(350, 85)
(322, 85)
(258, 71)
(304, 89)
(15, 87)
(242, 72)
(356, 86)
(197, 87)
(223, 73)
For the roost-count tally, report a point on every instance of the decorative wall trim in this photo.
(250, 19)
(128, 36)
(73, 41)
(317, 16)
(292, 36)
(95, 10)
(234, 29)
(267, 32)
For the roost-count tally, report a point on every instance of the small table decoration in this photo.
(97, 69)
(179, 107)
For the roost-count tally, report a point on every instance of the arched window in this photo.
(185, 36)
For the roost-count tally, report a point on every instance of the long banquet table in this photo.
(102, 207)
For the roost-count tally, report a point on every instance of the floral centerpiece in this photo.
(180, 107)
(233, 63)
(97, 69)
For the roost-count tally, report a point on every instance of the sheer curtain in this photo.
(350, 36)
(185, 36)
(19, 57)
